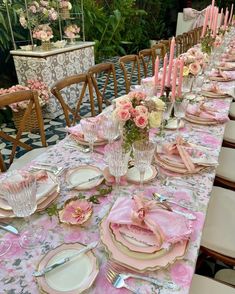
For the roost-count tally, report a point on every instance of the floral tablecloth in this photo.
(17, 265)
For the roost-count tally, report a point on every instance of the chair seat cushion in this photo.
(19, 163)
(203, 285)
(218, 233)
(226, 275)
(225, 169)
(229, 134)
(232, 110)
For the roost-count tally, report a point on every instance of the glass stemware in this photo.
(197, 85)
(143, 155)
(19, 190)
(110, 128)
(118, 159)
(90, 131)
(180, 108)
(187, 85)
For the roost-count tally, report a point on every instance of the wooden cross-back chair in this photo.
(96, 72)
(133, 62)
(82, 80)
(2, 164)
(159, 49)
(179, 45)
(185, 42)
(147, 57)
(167, 44)
(33, 105)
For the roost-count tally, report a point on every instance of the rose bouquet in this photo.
(40, 87)
(43, 33)
(65, 4)
(194, 61)
(39, 12)
(72, 31)
(138, 115)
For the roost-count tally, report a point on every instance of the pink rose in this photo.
(141, 109)
(123, 114)
(181, 274)
(194, 68)
(141, 121)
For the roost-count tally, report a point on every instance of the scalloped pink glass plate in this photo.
(221, 79)
(133, 175)
(209, 94)
(83, 173)
(199, 120)
(232, 68)
(135, 238)
(163, 258)
(99, 142)
(73, 277)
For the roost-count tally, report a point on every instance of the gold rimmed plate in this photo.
(133, 175)
(74, 277)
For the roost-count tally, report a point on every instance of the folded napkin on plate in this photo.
(227, 65)
(215, 89)
(168, 228)
(186, 155)
(45, 185)
(202, 111)
(221, 74)
(77, 133)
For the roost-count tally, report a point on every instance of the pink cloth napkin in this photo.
(202, 111)
(168, 227)
(221, 74)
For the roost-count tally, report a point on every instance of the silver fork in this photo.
(117, 281)
(125, 275)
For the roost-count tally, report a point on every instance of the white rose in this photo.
(158, 103)
(155, 119)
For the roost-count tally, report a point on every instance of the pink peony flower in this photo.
(135, 95)
(141, 121)
(76, 212)
(123, 114)
(194, 68)
(141, 109)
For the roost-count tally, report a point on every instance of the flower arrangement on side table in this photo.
(72, 31)
(138, 115)
(44, 34)
(65, 6)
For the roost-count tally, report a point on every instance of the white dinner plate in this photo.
(172, 124)
(133, 175)
(74, 277)
(84, 173)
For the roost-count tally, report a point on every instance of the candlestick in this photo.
(205, 21)
(211, 13)
(172, 51)
(221, 17)
(215, 22)
(174, 80)
(180, 80)
(231, 15)
(156, 71)
(226, 18)
(164, 74)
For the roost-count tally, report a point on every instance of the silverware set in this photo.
(117, 276)
(56, 170)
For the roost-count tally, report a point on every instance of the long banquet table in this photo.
(17, 265)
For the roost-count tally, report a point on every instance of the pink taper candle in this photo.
(164, 74)
(205, 21)
(180, 80)
(226, 18)
(172, 51)
(173, 91)
(221, 17)
(215, 21)
(231, 15)
(211, 13)
(156, 68)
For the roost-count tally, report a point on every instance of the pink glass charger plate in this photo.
(227, 68)
(73, 277)
(133, 175)
(99, 142)
(175, 166)
(221, 79)
(160, 259)
(84, 173)
(213, 95)
(134, 238)
(42, 203)
(200, 120)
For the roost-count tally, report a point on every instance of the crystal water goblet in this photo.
(90, 130)
(110, 128)
(19, 190)
(143, 156)
(180, 108)
(118, 158)
(187, 85)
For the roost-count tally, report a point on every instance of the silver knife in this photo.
(86, 181)
(9, 228)
(188, 215)
(64, 260)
